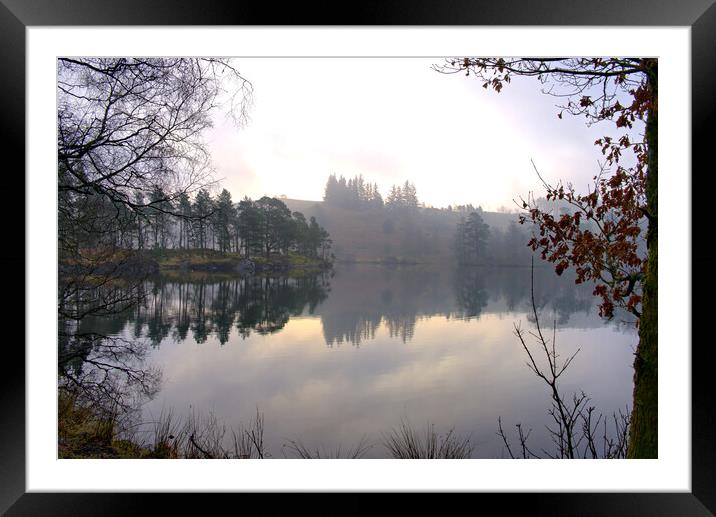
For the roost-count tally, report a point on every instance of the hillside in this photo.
(380, 234)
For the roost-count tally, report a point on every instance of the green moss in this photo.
(643, 431)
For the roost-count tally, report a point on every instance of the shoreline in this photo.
(131, 263)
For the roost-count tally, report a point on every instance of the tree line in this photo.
(357, 193)
(161, 221)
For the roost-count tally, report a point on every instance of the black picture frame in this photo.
(700, 15)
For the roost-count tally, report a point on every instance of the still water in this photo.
(334, 359)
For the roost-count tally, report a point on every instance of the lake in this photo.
(333, 359)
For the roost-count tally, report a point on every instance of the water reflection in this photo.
(429, 344)
(352, 304)
(364, 298)
(197, 306)
(95, 364)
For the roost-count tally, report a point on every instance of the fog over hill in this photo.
(421, 234)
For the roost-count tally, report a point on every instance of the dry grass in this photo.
(206, 437)
(298, 450)
(407, 442)
(83, 433)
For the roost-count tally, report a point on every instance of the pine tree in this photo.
(222, 221)
(409, 197)
(395, 198)
(201, 212)
(250, 225)
(331, 192)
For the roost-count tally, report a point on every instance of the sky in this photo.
(396, 119)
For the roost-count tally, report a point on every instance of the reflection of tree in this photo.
(567, 303)
(158, 325)
(199, 327)
(268, 302)
(511, 285)
(365, 297)
(214, 307)
(183, 317)
(350, 328)
(107, 372)
(223, 309)
(470, 293)
(361, 300)
(402, 327)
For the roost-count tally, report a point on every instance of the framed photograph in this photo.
(399, 249)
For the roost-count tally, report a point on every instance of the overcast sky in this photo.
(394, 120)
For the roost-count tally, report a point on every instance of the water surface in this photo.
(331, 359)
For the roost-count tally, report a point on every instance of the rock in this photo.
(246, 266)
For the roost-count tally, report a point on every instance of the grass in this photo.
(299, 450)
(176, 259)
(169, 260)
(406, 442)
(85, 432)
(93, 256)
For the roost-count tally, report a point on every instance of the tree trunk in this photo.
(643, 434)
(140, 235)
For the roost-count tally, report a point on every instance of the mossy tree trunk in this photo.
(643, 434)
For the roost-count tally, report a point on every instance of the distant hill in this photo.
(382, 234)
